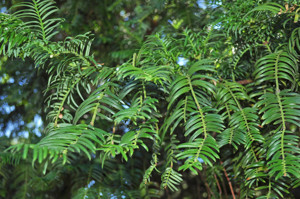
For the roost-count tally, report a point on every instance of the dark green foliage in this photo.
(145, 127)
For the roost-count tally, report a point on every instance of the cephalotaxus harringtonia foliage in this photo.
(201, 115)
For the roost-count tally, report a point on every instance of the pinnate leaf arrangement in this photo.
(198, 114)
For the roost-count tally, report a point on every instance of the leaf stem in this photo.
(63, 101)
(281, 113)
(282, 133)
(96, 109)
(199, 107)
(40, 20)
(242, 112)
(276, 73)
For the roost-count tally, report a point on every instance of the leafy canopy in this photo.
(201, 117)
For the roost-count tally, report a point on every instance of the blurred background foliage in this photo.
(120, 27)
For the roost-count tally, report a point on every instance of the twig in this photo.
(224, 188)
(209, 192)
(229, 182)
(245, 81)
(218, 184)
